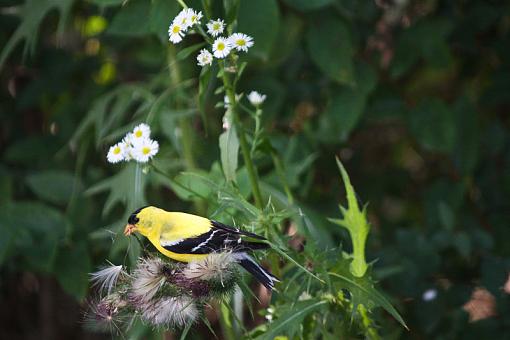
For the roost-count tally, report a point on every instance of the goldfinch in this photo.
(186, 238)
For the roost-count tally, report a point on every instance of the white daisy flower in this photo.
(204, 58)
(256, 98)
(221, 47)
(140, 132)
(176, 32)
(145, 150)
(194, 17)
(241, 41)
(116, 153)
(215, 27)
(184, 18)
(127, 145)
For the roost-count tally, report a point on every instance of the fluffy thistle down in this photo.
(215, 267)
(163, 293)
(170, 312)
(148, 278)
(107, 277)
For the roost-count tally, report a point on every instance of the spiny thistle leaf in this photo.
(355, 221)
(362, 290)
(290, 321)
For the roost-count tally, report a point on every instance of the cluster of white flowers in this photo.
(136, 145)
(182, 22)
(221, 47)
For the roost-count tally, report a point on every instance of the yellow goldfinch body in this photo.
(186, 238)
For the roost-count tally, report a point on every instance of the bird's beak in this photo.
(130, 228)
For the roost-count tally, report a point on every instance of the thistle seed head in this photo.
(171, 312)
(215, 267)
(148, 278)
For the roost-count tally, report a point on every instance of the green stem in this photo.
(226, 325)
(368, 324)
(245, 149)
(281, 175)
(186, 137)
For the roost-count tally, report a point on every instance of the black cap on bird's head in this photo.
(132, 221)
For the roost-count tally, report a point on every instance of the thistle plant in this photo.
(317, 283)
(161, 293)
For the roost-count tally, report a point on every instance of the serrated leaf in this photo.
(355, 221)
(32, 14)
(229, 153)
(363, 293)
(290, 321)
(120, 187)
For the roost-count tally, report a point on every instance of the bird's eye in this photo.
(133, 219)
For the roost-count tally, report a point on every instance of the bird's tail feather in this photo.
(252, 267)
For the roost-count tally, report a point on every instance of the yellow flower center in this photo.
(116, 151)
(193, 18)
(221, 46)
(176, 29)
(146, 150)
(138, 133)
(216, 27)
(241, 42)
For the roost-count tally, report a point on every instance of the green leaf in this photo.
(132, 20)
(32, 14)
(229, 152)
(34, 230)
(307, 5)
(72, 267)
(329, 45)
(160, 16)
(355, 221)
(261, 20)
(55, 186)
(186, 52)
(433, 125)
(290, 321)
(342, 114)
(363, 293)
(120, 188)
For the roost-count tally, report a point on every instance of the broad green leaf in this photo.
(260, 19)
(433, 125)
(355, 221)
(307, 5)
(55, 186)
(35, 231)
(32, 14)
(106, 3)
(342, 114)
(229, 152)
(132, 19)
(289, 322)
(160, 16)
(330, 47)
(72, 267)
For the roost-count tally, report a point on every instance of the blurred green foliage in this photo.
(412, 96)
